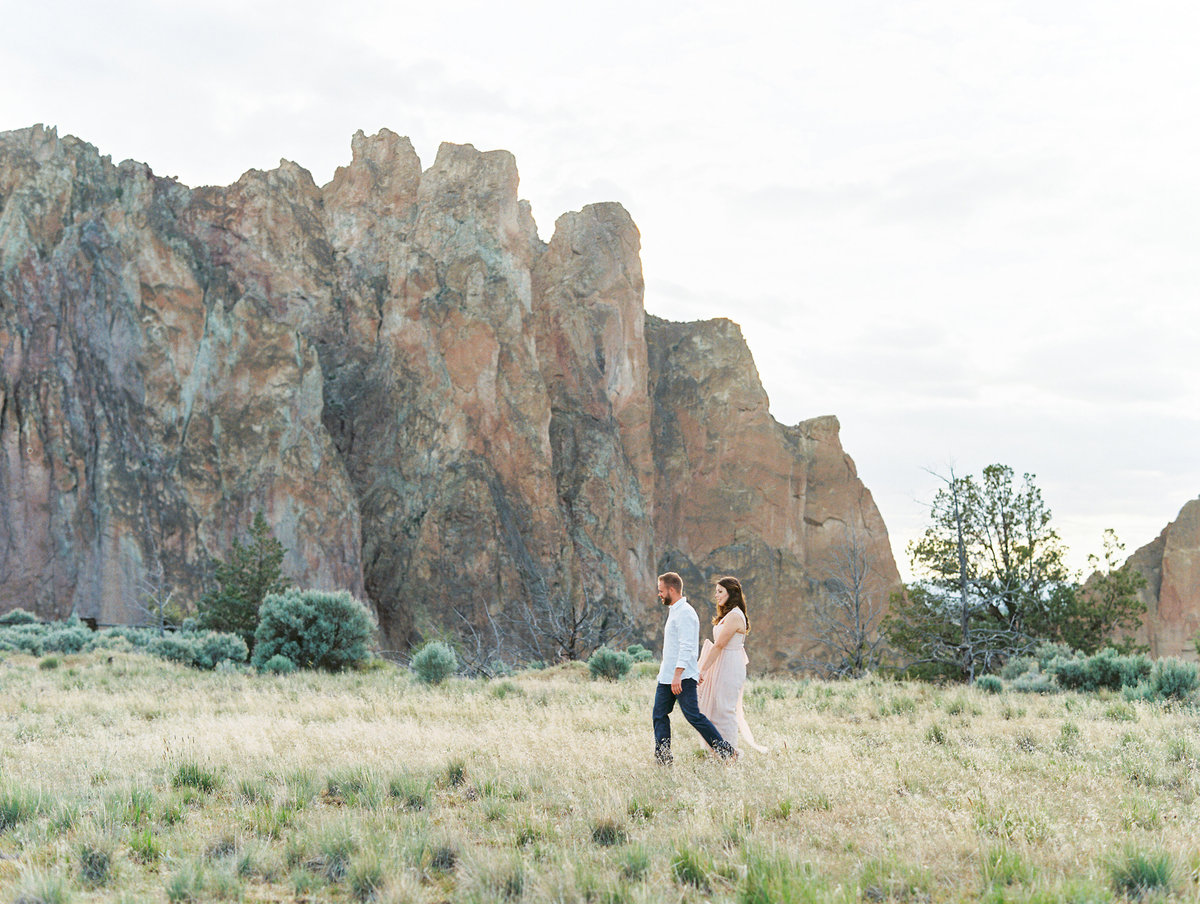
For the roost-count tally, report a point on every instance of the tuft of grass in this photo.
(366, 876)
(335, 846)
(49, 663)
(936, 734)
(608, 832)
(1138, 873)
(409, 791)
(640, 809)
(690, 867)
(144, 846)
(355, 786)
(1068, 737)
(455, 774)
(18, 805)
(770, 880)
(95, 861)
(1002, 866)
(635, 862)
(890, 880)
(186, 884)
(193, 774)
(42, 888)
(254, 790)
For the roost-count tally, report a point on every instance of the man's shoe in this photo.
(662, 755)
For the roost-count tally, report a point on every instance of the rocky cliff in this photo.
(435, 409)
(1171, 565)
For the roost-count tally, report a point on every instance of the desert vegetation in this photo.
(125, 776)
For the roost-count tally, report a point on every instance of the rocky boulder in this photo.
(1171, 565)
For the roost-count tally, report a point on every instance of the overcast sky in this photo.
(969, 230)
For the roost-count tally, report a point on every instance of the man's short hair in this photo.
(671, 579)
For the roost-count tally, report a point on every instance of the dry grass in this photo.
(133, 779)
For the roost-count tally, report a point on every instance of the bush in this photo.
(138, 637)
(279, 665)
(173, 648)
(18, 617)
(26, 638)
(989, 684)
(434, 662)
(315, 629)
(67, 637)
(639, 653)
(211, 648)
(609, 664)
(1105, 670)
(1174, 679)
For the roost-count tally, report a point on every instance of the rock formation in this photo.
(435, 410)
(1171, 565)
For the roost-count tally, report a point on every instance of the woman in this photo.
(723, 664)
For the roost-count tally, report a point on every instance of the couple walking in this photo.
(708, 686)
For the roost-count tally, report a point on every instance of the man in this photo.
(679, 672)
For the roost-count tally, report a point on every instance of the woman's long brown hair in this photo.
(737, 599)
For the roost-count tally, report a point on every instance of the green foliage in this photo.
(244, 580)
(609, 664)
(1138, 873)
(1174, 679)
(67, 637)
(18, 617)
(989, 684)
(434, 662)
(315, 629)
(279, 665)
(49, 663)
(202, 649)
(1107, 670)
(991, 567)
(639, 653)
(25, 638)
(1106, 605)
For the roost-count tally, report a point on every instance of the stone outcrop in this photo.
(433, 408)
(1171, 566)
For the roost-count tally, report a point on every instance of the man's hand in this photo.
(677, 684)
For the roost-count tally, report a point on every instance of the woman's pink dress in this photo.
(723, 670)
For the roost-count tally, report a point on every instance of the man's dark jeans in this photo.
(664, 702)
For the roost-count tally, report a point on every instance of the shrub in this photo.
(26, 638)
(1174, 679)
(989, 684)
(315, 629)
(1034, 682)
(434, 662)
(18, 617)
(279, 665)
(640, 653)
(211, 648)
(609, 664)
(49, 663)
(173, 648)
(1105, 670)
(67, 637)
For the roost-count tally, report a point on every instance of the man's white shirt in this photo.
(681, 643)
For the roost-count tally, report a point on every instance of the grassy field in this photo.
(124, 777)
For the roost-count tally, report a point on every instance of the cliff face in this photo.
(1171, 565)
(433, 408)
